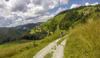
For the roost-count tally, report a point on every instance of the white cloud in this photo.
(15, 12)
(74, 6)
(87, 4)
(96, 3)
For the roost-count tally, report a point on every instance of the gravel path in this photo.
(45, 50)
(59, 51)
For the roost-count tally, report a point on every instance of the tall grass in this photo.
(84, 41)
(10, 51)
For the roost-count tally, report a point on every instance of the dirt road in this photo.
(58, 53)
(45, 50)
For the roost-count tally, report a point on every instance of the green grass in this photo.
(13, 43)
(48, 55)
(84, 41)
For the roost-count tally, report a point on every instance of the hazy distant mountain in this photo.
(26, 27)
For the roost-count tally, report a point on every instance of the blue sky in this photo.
(79, 2)
(19, 12)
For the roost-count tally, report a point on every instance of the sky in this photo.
(19, 12)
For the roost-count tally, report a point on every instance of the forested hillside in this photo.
(8, 34)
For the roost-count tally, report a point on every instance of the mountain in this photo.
(8, 34)
(26, 27)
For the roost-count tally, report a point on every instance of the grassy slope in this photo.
(58, 18)
(13, 43)
(84, 41)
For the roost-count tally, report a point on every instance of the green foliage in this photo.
(69, 19)
(72, 19)
(66, 25)
(35, 36)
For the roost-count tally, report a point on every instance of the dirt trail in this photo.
(58, 53)
(45, 50)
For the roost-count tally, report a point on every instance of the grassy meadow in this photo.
(84, 41)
